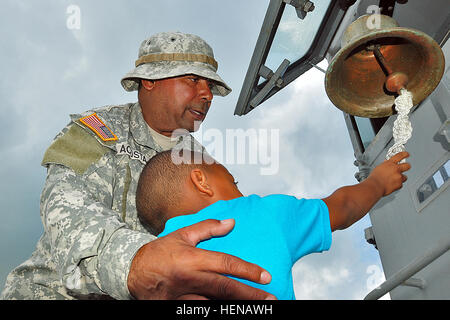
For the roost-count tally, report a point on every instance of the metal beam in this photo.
(275, 80)
(268, 29)
(411, 269)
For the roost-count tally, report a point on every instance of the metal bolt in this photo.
(308, 7)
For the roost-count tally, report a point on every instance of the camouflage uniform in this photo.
(91, 228)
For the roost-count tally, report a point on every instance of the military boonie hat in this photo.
(172, 54)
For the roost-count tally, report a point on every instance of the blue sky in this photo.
(50, 71)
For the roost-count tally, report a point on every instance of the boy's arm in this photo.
(349, 204)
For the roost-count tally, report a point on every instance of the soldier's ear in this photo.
(198, 178)
(147, 84)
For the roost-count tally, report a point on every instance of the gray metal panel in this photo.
(431, 17)
(402, 231)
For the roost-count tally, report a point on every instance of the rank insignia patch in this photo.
(95, 124)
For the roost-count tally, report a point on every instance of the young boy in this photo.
(273, 231)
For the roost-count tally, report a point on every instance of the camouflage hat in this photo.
(171, 54)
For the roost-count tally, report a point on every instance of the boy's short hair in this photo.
(160, 185)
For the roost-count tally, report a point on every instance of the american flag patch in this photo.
(95, 124)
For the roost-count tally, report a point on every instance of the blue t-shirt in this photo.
(272, 232)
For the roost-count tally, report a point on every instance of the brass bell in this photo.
(373, 64)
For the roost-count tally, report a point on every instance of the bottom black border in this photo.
(223, 309)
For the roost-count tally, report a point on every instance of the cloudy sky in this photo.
(50, 70)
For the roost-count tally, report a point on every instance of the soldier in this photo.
(93, 244)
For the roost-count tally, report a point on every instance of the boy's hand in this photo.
(389, 174)
(350, 203)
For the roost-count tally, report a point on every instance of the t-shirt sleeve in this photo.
(305, 223)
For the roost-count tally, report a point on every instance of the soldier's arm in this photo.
(91, 246)
(350, 203)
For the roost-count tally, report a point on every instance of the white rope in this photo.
(402, 129)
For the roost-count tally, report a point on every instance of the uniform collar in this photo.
(140, 130)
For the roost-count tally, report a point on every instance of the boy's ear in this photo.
(198, 178)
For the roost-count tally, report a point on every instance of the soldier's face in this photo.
(179, 102)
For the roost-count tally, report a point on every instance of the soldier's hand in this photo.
(171, 267)
(389, 174)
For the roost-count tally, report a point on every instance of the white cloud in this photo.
(316, 282)
(313, 137)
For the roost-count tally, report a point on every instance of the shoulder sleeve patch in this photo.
(94, 123)
(76, 149)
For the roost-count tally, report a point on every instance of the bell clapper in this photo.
(395, 81)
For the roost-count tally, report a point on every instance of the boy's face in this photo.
(223, 183)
